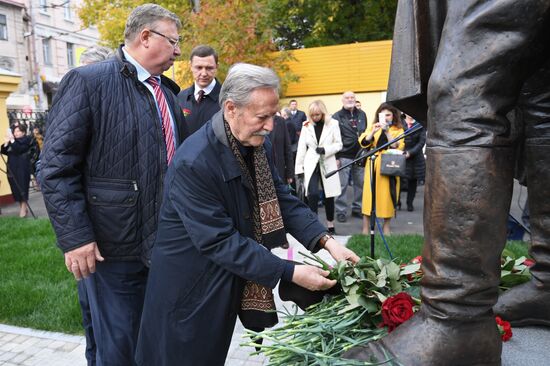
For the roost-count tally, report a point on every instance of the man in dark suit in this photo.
(296, 117)
(199, 102)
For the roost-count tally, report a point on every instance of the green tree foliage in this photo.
(239, 30)
(313, 23)
(109, 16)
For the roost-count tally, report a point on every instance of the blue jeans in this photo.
(115, 295)
(87, 323)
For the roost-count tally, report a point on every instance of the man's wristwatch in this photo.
(324, 240)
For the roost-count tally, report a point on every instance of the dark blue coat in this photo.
(104, 159)
(204, 253)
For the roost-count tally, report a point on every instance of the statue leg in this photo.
(528, 304)
(468, 192)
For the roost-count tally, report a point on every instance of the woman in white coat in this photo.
(319, 141)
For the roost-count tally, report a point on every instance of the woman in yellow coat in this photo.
(386, 188)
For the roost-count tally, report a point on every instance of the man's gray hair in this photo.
(145, 16)
(95, 54)
(242, 79)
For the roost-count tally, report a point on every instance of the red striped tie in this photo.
(165, 113)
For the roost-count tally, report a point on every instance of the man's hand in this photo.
(312, 278)
(340, 252)
(81, 261)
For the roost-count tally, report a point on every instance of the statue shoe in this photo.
(526, 304)
(425, 341)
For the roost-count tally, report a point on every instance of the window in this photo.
(47, 50)
(3, 27)
(67, 10)
(43, 5)
(70, 54)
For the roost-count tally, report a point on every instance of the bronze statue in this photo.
(480, 72)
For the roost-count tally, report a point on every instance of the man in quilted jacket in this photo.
(112, 131)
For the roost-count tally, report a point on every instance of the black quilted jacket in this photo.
(104, 159)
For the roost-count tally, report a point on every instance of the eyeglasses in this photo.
(174, 42)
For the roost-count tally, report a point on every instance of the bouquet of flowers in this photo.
(377, 296)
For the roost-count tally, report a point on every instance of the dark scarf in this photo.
(257, 305)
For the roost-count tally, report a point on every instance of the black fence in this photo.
(32, 119)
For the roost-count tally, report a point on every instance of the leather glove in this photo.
(320, 150)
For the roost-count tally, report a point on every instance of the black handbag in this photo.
(393, 165)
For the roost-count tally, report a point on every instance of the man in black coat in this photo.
(282, 152)
(224, 207)
(200, 101)
(112, 131)
(352, 123)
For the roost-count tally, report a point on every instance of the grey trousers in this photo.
(357, 176)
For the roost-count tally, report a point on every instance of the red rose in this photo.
(418, 274)
(396, 310)
(504, 328)
(528, 262)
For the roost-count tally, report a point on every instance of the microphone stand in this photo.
(372, 155)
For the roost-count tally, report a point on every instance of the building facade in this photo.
(44, 41)
(13, 45)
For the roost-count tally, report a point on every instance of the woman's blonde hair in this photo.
(318, 106)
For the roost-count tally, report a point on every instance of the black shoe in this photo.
(357, 214)
(331, 231)
(410, 207)
(341, 218)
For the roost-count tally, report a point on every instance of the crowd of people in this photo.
(145, 183)
(335, 142)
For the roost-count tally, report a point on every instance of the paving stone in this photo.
(43, 343)
(9, 346)
(31, 341)
(56, 344)
(7, 356)
(20, 358)
(20, 339)
(68, 347)
(5, 337)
